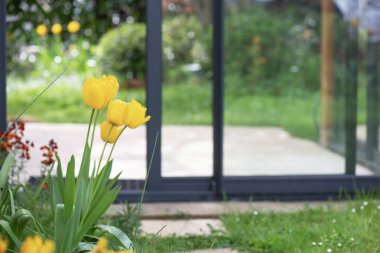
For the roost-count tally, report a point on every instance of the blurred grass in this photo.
(189, 104)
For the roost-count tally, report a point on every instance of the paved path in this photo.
(187, 151)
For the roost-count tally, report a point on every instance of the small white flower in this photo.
(320, 243)
(255, 213)
(361, 207)
(334, 221)
(339, 244)
(352, 239)
(353, 210)
(365, 203)
(328, 250)
(378, 207)
(314, 243)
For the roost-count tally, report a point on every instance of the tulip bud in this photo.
(109, 133)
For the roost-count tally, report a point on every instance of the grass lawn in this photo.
(183, 104)
(355, 229)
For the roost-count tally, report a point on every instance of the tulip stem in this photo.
(113, 146)
(104, 148)
(93, 128)
(89, 126)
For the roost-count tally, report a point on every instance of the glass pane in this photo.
(273, 100)
(187, 97)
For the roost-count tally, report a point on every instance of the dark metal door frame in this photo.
(217, 186)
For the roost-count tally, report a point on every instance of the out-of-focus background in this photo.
(272, 79)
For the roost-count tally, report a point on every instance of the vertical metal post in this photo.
(218, 48)
(327, 72)
(351, 98)
(154, 89)
(372, 141)
(3, 94)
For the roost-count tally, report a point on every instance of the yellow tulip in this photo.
(3, 245)
(109, 133)
(73, 26)
(98, 92)
(41, 30)
(112, 86)
(36, 245)
(117, 112)
(94, 93)
(101, 247)
(56, 29)
(136, 114)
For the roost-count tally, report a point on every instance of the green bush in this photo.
(121, 51)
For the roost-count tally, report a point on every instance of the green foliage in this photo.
(95, 18)
(183, 41)
(79, 203)
(272, 50)
(15, 222)
(121, 51)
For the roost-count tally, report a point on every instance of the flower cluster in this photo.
(49, 152)
(100, 92)
(56, 29)
(13, 141)
(35, 244)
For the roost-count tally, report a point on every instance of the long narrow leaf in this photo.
(6, 226)
(69, 188)
(118, 234)
(5, 170)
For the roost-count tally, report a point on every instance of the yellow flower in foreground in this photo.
(41, 30)
(36, 245)
(56, 29)
(98, 92)
(136, 114)
(73, 26)
(109, 133)
(3, 245)
(117, 112)
(101, 247)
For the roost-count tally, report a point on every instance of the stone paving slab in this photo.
(187, 151)
(180, 227)
(207, 210)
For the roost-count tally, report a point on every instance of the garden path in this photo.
(187, 151)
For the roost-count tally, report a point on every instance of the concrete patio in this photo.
(187, 151)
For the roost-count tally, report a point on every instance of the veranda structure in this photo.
(217, 186)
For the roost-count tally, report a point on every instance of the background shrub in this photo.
(121, 51)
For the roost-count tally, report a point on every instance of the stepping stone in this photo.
(180, 227)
